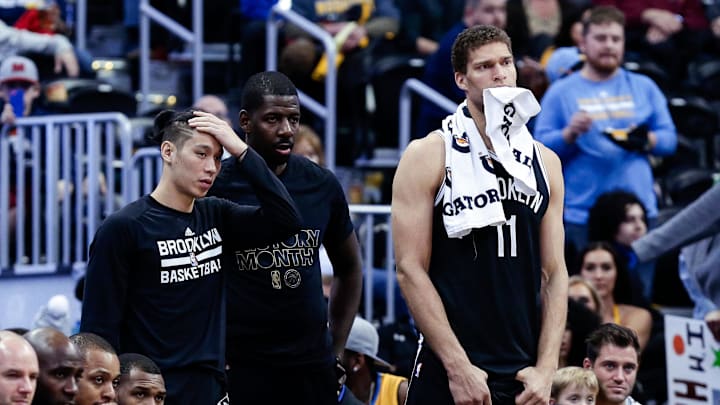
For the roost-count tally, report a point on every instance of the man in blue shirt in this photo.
(604, 122)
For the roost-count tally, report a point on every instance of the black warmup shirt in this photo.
(277, 315)
(489, 281)
(154, 282)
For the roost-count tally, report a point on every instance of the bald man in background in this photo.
(61, 366)
(18, 369)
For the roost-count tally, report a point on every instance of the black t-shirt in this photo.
(489, 280)
(154, 283)
(277, 315)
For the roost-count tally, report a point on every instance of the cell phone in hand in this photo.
(17, 100)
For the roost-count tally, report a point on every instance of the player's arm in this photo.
(346, 288)
(106, 280)
(553, 290)
(418, 176)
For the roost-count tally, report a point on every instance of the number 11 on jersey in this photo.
(513, 238)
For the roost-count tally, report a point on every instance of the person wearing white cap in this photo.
(362, 364)
(18, 77)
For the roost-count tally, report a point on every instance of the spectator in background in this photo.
(439, 71)
(18, 369)
(214, 105)
(424, 22)
(363, 366)
(602, 267)
(61, 366)
(19, 88)
(618, 217)
(604, 119)
(101, 370)
(613, 355)
(308, 144)
(580, 322)
(583, 292)
(253, 15)
(671, 33)
(563, 56)
(574, 386)
(140, 382)
(14, 41)
(277, 315)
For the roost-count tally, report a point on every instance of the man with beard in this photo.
(61, 367)
(277, 314)
(612, 354)
(604, 119)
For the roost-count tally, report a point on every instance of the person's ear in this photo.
(167, 150)
(553, 401)
(460, 81)
(244, 119)
(587, 363)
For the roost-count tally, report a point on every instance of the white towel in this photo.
(471, 187)
(507, 110)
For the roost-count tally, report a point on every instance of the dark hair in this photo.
(571, 14)
(611, 334)
(268, 83)
(473, 38)
(18, 330)
(85, 341)
(129, 361)
(172, 126)
(581, 321)
(622, 293)
(603, 15)
(608, 212)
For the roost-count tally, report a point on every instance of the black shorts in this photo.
(429, 384)
(194, 386)
(315, 385)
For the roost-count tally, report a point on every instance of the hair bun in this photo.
(162, 120)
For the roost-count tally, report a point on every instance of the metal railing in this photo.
(405, 117)
(65, 170)
(194, 37)
(327, 111)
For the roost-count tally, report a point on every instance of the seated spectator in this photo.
(583, 292)
(619, 218)
(19, 88)
(601, 267)
(424, 23)
(574, 386)
(362, 365)
(101, 369)
(581, 321)
(670, 33)
(14, 41)
(604, 119)
(60, 366)
(214, 105)
(18, 369)
(613, 355)
(563, 56)
(309, 144)
(140, 382)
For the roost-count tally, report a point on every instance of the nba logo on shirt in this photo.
(193, 259)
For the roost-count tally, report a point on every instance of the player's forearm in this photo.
(554, 315)
(344, 303)
(427, 310)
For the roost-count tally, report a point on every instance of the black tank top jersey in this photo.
(489, 280)
(277, 315)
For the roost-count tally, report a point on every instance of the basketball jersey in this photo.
(489, 280)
